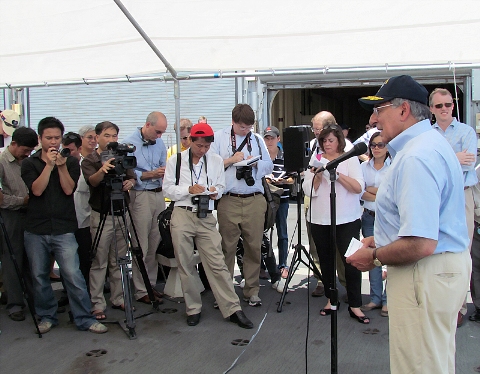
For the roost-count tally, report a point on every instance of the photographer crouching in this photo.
(201, 181)
(104, 169)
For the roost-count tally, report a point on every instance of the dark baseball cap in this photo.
(271, 131)
(402, 87)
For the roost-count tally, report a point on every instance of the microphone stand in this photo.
(333, 289)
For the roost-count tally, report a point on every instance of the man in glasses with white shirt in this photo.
(463, 140)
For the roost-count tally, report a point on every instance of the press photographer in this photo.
(243, 206)
(201, 180)
(105, 169)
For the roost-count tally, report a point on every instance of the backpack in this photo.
(273, 196)
(165, 247)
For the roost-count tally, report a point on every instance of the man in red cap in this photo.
(201, 181)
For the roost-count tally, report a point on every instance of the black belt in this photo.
(243, 196)
(190, 208)
(371, 212)
(159, 189)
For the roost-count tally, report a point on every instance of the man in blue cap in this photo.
(420, 231)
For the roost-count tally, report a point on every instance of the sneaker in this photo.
(253, 300)
(279, 285)
(44, 327)
(215, 305)
(242, 283)
(98, 328)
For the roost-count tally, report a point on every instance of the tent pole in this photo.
(176, 94)
(146, 38)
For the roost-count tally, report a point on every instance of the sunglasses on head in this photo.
(379, 145)
(440, 106)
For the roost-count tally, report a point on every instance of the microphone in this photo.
(357, 150)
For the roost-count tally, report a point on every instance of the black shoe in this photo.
(362, 319)
(17, 316)
(194, 319)
(475, 317)
(63, 301)
(241, 320)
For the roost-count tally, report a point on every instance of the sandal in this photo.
(99, 315)
(121, 307)
(362, 319)
(327, 311)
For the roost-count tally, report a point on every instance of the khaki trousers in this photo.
(145, 206)
(469, 213)
(106, 256)
(423, 302)
(187, 229)
(243, 216)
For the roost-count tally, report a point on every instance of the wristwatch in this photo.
(376, 261)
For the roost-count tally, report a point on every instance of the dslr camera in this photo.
(245, 172)
(203, 205)
(121, 161)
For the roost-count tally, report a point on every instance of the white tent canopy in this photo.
(48, 41)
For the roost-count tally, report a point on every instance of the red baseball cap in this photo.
(201, 130)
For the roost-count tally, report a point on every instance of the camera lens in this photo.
(65, 152)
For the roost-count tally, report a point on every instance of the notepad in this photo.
(354, 246)
(247, 162)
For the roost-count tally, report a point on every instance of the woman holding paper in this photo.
(374, 171)
(349, 185)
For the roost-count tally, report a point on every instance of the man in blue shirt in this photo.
(420, 231)
(146, 198)
(463, 140)
(241, 210)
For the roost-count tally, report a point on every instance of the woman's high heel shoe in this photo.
(363, 319)
(327, 311)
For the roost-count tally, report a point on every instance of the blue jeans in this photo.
(378, 295)
(64, 248)
(282, 234)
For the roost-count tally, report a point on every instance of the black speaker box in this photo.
(296, 147)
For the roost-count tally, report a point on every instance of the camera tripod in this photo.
(19, 274)
(116, 195)
(299, 248)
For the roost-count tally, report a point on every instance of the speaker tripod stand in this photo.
(299, 249)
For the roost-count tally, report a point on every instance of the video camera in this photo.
(121, 161)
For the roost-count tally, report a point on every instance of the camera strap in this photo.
(245, 141)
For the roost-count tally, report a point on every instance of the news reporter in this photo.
(348, 188)
(95, 172)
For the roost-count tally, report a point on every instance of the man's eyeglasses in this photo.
(379, 145)
(89, 137)
(440, 106)
(375, 110)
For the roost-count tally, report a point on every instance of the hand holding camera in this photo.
(107, 165)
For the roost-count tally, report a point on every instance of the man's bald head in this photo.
(321, 120)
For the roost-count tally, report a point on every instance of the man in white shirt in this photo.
(201, 180)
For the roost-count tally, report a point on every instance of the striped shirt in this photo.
(279, 172)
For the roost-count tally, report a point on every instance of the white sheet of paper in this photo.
(354, 246)
(248, 161)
